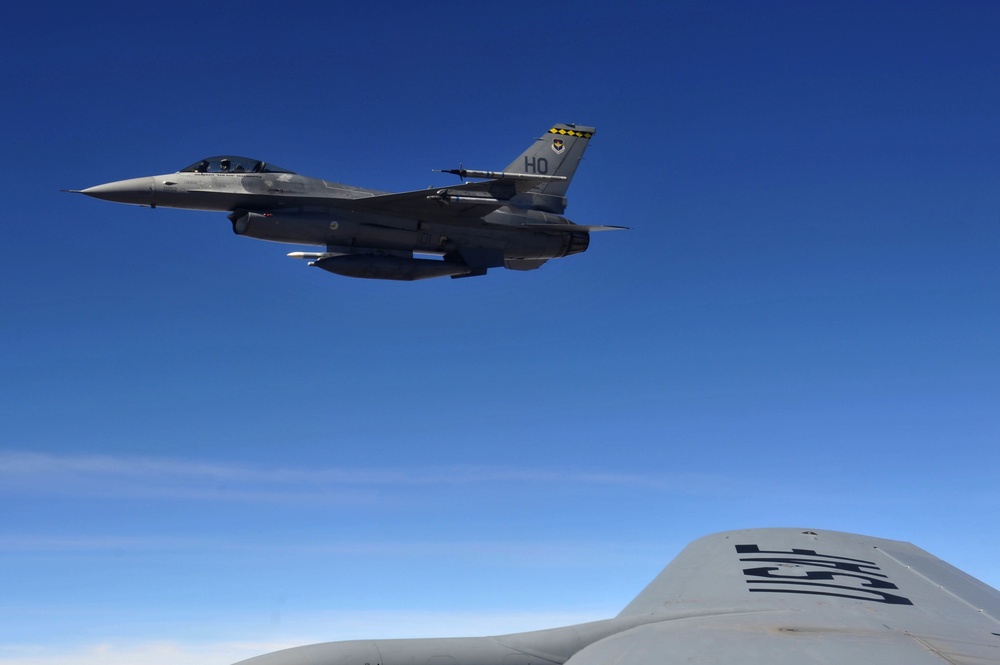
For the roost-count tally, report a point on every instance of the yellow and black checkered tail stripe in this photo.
(570, 132)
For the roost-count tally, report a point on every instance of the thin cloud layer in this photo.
(121, 476)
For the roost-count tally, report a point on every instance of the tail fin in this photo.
(557, 152)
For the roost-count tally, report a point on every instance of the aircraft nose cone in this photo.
(138, 191)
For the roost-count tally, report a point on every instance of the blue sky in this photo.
(208, 450)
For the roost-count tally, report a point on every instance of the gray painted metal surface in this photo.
(753, 597)
(511, 218)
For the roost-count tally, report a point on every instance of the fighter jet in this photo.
(511, 218)
(751, 597)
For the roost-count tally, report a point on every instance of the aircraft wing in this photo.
(788, 597)
(752, 597)
(469, 199)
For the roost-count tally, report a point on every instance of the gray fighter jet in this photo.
(510, 218)
(752, 597)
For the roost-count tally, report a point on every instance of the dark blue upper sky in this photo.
(207, 445)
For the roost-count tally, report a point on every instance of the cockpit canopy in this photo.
(232, 164)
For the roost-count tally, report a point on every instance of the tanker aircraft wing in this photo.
(751, 597)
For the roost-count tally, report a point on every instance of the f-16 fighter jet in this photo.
(510, 218)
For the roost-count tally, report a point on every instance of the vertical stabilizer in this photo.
(557, 152)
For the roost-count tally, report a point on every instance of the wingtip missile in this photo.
(500, 175)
